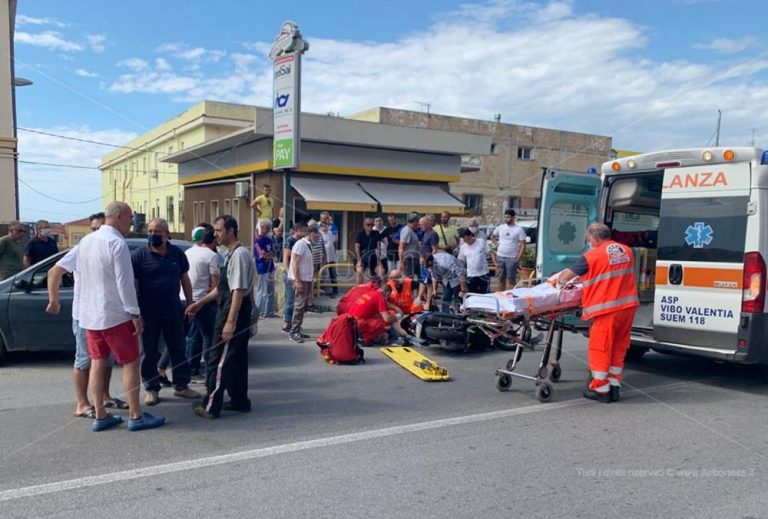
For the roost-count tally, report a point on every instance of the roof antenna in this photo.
(717, 133)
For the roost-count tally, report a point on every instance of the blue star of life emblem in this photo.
(699, 234)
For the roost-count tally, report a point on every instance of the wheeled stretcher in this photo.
(508, 316)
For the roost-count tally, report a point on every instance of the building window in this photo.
(144, 162)
(181, 145)
(513, 202)
(236, 208)
(76, 237)
(170, 150)
(227, 206)
(214, 210)
(195, 213)
(537, 203)
(169, 208)
(473, 203)
(181, 211)
(524, 153)
(201, 214)
(157, 207)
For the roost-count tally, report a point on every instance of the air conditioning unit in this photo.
(242, 189)
(153, 173)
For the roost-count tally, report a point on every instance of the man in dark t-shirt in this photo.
(366, 250)
(160, 270)
(41, 246)
(392, 234)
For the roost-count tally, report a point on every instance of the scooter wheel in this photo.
(544, 392)
(503, 382)
(556, 372)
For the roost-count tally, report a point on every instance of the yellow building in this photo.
(136, 175)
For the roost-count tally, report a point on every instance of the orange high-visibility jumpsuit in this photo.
(610, 300)
(403, 299)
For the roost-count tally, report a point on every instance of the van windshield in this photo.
(703, 229)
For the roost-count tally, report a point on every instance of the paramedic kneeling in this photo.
(610, 299)
(373, 315)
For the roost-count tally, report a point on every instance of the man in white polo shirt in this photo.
(509, 239)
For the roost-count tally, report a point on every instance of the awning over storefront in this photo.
(333, 194)
(400, 197)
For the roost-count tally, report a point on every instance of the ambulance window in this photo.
(703, 229)
(567, 225)
(634, 222)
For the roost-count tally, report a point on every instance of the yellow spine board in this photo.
(416, 363)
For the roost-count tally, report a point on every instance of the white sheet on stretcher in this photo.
(518, 301)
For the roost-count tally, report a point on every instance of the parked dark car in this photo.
(24, 325)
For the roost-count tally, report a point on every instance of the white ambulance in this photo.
(697, 221)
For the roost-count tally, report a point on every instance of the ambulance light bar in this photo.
(764, 158)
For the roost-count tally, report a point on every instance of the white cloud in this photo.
(727, 45)
(96, 42)
(538, 65)
(30, 20)
(182, 51)
(80, 187)
(135, 64)
(48, 39)
(84, 73)
(161, 64)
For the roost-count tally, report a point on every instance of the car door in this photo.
(569, 203)
(31, 327)
(701, 255)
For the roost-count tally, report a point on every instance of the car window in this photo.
(40, 277)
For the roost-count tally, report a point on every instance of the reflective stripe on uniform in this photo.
(602, 389)
(610, 304)
(613, 370)
(600, 375)
(607, 275)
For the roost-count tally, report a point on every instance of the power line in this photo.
(96, 168)
(78, 139)
(59, 199)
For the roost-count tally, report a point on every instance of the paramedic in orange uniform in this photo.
(373, 315)
(402, 292)
(609, 298)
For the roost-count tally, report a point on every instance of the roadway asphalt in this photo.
(688, 439)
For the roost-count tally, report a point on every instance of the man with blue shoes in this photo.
(106, 307)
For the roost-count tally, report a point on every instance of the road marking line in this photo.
(155, 470)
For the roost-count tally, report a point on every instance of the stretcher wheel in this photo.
(503, 382)
(543, 372)
(544, 392)
(526, 335)
(556, 372)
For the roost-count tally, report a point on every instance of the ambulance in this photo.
(697, 222)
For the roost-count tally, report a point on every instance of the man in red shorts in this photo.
(107, 308)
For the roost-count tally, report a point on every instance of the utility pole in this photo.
(717, 133)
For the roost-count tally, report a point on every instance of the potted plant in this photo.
(527, 263)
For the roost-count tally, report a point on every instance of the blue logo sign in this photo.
(566, 233)
(282, 100)
(699, 234)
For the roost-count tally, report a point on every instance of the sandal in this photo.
(117, 404)
(88, 413)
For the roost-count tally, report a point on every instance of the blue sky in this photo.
(650, 74)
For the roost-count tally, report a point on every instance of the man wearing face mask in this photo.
(41, 246)
(160, 270)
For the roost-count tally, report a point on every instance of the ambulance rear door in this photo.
(699, 271)
(569, 203)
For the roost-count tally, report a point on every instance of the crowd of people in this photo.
(201, 301)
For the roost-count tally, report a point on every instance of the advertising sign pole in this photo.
(286, 109)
